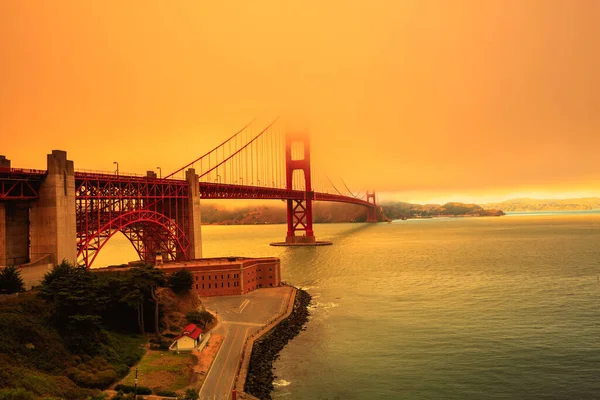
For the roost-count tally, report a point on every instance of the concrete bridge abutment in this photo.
(52, 215)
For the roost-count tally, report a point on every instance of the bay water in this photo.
(455, 308)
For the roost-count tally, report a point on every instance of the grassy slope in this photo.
(33, 355)
(163, 369)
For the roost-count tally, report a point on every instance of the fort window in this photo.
(227, 284)
(203, 286)
(221, 284)
(222, 276)
(196, 286)
(202, 277)
(209, 285)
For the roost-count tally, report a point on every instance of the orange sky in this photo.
(439, 100)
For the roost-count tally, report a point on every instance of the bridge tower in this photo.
(371, 211)
(299, 212)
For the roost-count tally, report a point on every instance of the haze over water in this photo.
(478, 308)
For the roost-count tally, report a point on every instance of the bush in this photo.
(95, 373)
(181, 281)
(163, 392)
(16, 394)
(11, 281)
(130, 389)
(191, 394)
(201, 318)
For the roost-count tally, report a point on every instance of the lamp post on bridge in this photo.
(159, 172)
(218, 180)
(242, 180)
(114, 162)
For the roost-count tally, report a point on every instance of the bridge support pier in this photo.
(299, 211)
(371, 211)
(52, 216)
(194, 231)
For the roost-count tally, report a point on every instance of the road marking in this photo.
(243, 305)
(216, 357)
(227, 358)
(242, 323)
(234, 375)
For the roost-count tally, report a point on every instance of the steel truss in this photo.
(152, 213)
(20, 184)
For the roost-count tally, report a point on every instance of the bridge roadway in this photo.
(240, 317)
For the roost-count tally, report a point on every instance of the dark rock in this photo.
(259, 381)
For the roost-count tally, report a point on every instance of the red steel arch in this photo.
(152, 213)
(148, 231)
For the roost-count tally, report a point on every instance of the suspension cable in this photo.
(205, 154)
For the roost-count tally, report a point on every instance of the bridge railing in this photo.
(122, 175)
(22, 171)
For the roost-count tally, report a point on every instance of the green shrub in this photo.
(163, 392)
(130, 389)
(16, 394)
(95, 373)
(121, 396)
(191, 394)
(11, 281)
(201, 318)
(181, 281)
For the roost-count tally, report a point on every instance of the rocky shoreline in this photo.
(259, 381)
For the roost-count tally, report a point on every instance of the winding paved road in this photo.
(240, 317)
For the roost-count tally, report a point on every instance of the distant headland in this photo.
(525, 204)
(401, 210)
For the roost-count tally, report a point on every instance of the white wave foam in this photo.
(281, 382)
(322, 306)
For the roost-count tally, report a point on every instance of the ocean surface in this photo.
(456, 308)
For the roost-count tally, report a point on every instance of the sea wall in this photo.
(259, 381)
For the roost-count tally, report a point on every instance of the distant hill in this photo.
(400, 210)
(276, 214)
(588, 203)
(336, 212)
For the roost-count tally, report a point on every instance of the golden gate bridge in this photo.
(161, 214)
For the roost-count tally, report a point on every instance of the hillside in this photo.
(589, 203)
(36, 356)
(82, 330)
(400, 210)
(276, 214)
(336, 212)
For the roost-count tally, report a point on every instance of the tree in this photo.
(145, 281)
(181, 281)
(58, 271)
(11, 281)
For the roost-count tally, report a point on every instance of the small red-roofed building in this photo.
(189, 339)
